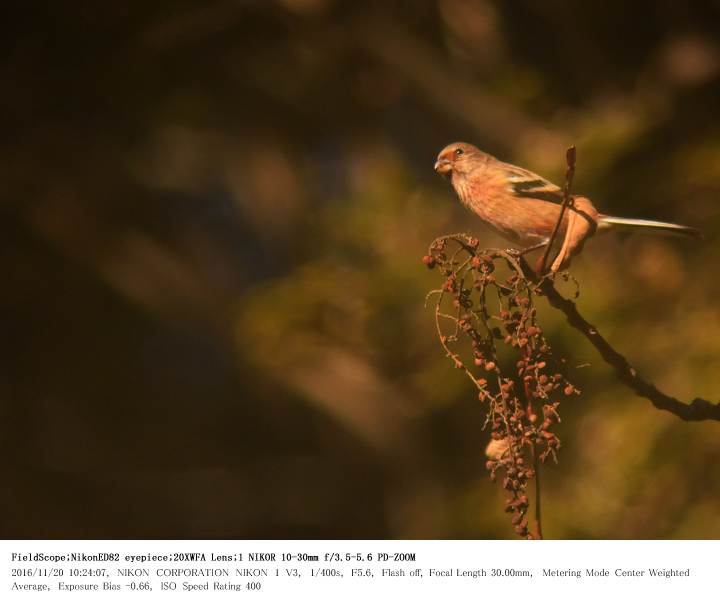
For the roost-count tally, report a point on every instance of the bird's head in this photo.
(458, 158)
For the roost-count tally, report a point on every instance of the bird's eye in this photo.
(458, 152)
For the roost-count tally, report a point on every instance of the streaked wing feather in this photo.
(524, 183)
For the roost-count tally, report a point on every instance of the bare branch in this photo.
(697, 410)
(570, 156)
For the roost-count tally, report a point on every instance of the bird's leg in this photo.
(526, 250)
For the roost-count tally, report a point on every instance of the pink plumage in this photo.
(524, 207)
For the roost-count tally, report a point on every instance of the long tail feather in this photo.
(655, 225)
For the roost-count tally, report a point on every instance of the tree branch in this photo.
(698, 410)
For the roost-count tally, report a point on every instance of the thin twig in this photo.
(538, 515)
(570, 156)
(536, 465)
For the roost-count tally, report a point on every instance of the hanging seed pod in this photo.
(480, 317)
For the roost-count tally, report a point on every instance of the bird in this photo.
(524, 207)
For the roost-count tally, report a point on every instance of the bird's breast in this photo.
(523, 221)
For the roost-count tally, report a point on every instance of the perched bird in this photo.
(524, 207)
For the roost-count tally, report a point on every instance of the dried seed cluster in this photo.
(478, 311)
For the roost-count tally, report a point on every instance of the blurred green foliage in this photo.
(213, 219)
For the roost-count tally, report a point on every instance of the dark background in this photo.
(213, 215)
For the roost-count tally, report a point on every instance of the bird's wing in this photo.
(526, 184)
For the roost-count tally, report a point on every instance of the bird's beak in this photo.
(443, 167)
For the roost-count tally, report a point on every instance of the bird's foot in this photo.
(526, 250)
